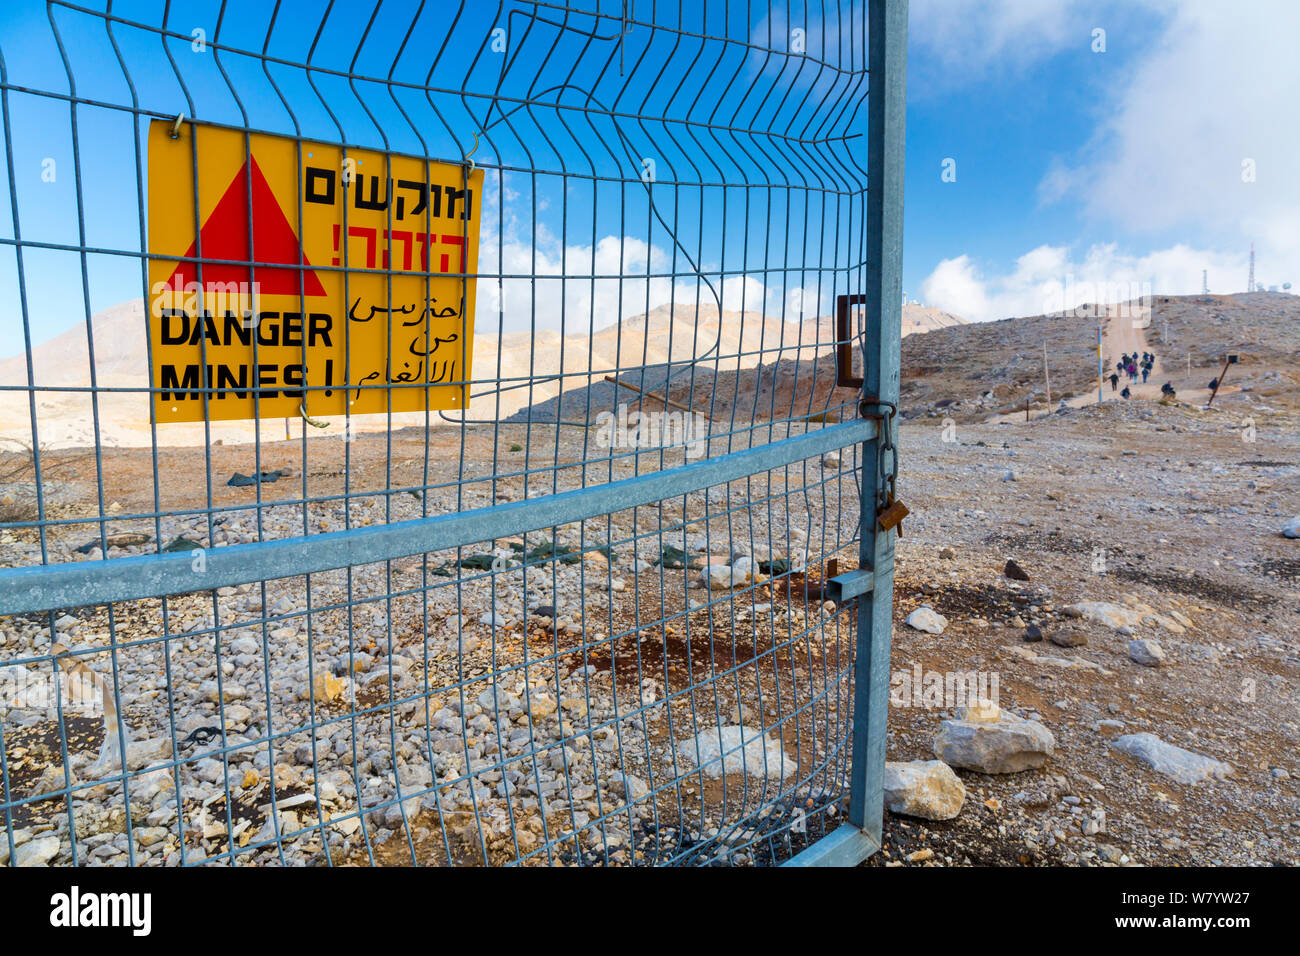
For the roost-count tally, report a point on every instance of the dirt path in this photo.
(1123, 335)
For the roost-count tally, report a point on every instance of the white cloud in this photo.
(1218, 90)
(567, 295)
(956, 286)
(1048, 279)
(971, 37)
(1214, 94)
(555, 285)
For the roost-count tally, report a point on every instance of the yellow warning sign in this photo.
(303, 278)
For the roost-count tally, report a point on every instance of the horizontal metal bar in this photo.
(847, 846)
(846, 587)
(82, 583)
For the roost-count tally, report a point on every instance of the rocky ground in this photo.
(668, 683)
(1162, 527)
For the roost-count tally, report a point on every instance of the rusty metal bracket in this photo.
(844, 377)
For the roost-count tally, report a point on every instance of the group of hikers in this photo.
(1132, 366)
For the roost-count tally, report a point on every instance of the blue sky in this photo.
(1073, 164)
(1168, 153)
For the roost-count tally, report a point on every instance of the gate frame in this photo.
(45, 588)
(858, 839)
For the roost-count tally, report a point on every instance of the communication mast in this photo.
(1250, 283)
(1205, 282)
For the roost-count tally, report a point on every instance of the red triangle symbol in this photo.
(225, 236)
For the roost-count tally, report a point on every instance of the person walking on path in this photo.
(1114, 381)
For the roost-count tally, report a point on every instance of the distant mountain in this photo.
(552, 361)
(919, 318)
(120, 354)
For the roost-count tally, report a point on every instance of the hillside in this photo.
(971, 372)
(536, 367)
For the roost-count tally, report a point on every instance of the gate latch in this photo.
(845, 587)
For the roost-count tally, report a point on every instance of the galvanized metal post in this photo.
(883, 285)
(886, 146)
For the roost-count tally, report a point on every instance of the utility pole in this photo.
(1099, 369)
(1218, 382)
(1047, 376)
(1205, 282)
(1250, 283)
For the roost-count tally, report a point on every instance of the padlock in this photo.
(892, 514)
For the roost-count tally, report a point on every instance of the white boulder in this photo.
(927, 619)
(737, 749)
(1005, 744)
(1185, 766)
(923, 788)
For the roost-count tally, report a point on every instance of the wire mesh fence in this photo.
(568, 602)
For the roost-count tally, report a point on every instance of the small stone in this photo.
(1109, 853)
(920, 856)
(632, 788)
(1100, 612)
(1015, 572)
(1067, 637)
(1292, 528)
(327, 687)
(947, 554)
(540, 706)
(246, 645)
(497, 700)
(1033, 634)
(227, 691)
(1146, 652)
(926, 619)
(719, 577)
(37, 853)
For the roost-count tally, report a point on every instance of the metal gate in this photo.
(619, 610)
